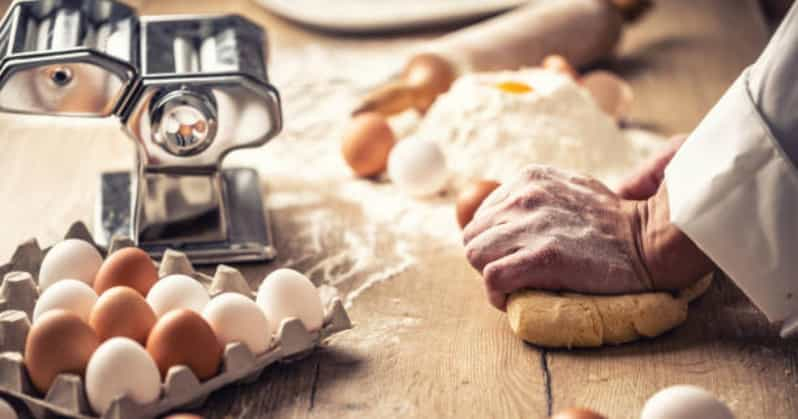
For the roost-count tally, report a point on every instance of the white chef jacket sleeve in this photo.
(733, 185)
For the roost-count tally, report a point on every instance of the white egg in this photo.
(68, 294)
(6, 411)
(177, 291)
(685, 402)
(120, 366)
(418, 167)
(71, 258)
(287, 293)
(236, 318)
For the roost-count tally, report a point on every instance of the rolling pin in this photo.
(582, 31)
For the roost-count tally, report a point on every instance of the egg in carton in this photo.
(181, 387)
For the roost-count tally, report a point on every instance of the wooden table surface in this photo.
(460, 358)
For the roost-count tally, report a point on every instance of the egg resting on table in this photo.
(471, 197)
(577, 413)
(612, 94)
(366, 144)
(418, 167)
(559, 64)
(685, 402)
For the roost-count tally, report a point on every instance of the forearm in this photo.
(672, 259)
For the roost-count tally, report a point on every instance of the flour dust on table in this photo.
(315, 199)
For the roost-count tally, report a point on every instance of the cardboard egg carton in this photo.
(181, 388)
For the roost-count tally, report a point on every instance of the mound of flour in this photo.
(351, 235)
(487, 132)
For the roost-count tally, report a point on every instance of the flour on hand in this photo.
(351, 234)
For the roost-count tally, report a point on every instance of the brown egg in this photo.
(59, 342)
(577, 413)
(428, 75)
(182, 337)
(367, 142)
(122, 311)
(559, 64)
(471, 197)
(612, 93)
(130, 267)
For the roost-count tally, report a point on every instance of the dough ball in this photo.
(578, 320)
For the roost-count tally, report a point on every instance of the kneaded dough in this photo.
(577, 320)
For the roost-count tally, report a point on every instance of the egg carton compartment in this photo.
(180, 388)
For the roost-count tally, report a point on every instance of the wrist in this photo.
(671, 260)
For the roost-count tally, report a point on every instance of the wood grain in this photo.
(680, 60)
(683, 55)
(426, 344)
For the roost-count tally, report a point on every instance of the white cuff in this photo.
(735, 194)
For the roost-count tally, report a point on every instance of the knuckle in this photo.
(472, 253)
(545, 219)
(549, 255)
(581, 179)
(531, 171)
(492, 275)
(530, 198)
(537, 172)
(542, 222)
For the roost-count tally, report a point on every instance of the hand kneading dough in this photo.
(578, 320)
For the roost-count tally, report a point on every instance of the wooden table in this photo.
(459, 358)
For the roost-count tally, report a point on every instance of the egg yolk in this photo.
(514, 87)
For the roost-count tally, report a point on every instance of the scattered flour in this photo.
(379, 331)
(351, 234)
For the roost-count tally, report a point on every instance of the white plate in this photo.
(380, 15)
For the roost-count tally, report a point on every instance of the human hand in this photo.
(555, 230)
(645, 181)
(548, 229)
